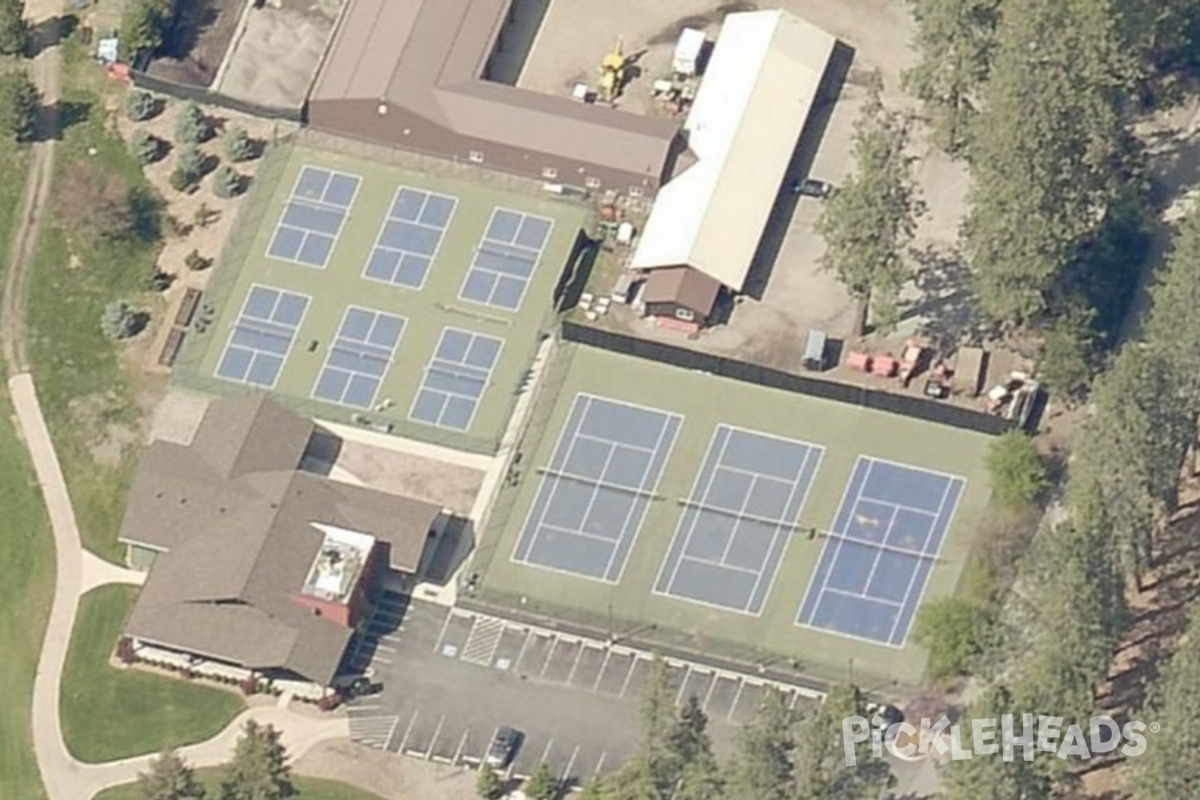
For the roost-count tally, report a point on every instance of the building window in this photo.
(592, 182)
(549, 173)
(685, 314)
(635, 191)
(475, 157)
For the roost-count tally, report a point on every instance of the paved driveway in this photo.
(452, 677)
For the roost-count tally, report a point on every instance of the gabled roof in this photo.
(685, 286)
(238, 544)
(757, 92)
(429, 57)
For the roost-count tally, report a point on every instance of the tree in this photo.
(1170, 767)
(541, 784)
(190, 126)
(954, 632)
(699, 777)
(593, 789)
(993, 777)
(118, 321)
(238, 145)
(1047, 150)
(144, 26)
(19, 100)
(14, 33)
(93, 203)
(227, 182)
(1173, 326)
(169, 778)
(761, 768)
(140, 105)
(1017, 470)
(955, 39)
(487, 783)
(145, 147)
(189, 168)
(1128, 454)
(870, 220)
(820, 757)
(1068, 351)
(196, 262)
(259, 769)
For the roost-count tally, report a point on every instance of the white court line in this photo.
(867, 597)
(837, 548)
(912, 578)
(879, 553)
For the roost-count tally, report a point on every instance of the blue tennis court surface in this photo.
(313, 216)
(878, 555)
(505, 259)
(736, 525)
(262, 336)
(410, 237)
(597, 487)
(455, 379)
(359, 358)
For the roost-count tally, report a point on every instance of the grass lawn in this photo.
(109, 712)
(88, 398)
(26, 586)
(306, 788)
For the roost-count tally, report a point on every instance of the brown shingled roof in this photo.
(238, 544)
(428, 56)
(684, 286)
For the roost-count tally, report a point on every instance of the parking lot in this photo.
(452, 677)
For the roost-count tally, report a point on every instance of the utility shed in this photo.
(759, 88)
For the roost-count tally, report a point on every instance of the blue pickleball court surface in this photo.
(878, 554)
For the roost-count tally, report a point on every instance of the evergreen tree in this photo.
(19, 100)
(259, 769)
(761, 768)
(14, 33)
(487, 784)
(869, 221)
(541, 784)
(190, 126)
(238, 145)
(144, 26)
(144, 147)
(820, 757)
(140, 105)
(169, 778)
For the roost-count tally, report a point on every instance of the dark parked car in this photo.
(503, 747)
(812, 188)
(364, 687)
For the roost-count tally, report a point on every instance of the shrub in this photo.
(488, 785)
(144, 147)
(118, 321)
(249, 685)
(159, 281)
(196, 262)
(1017, 470)
(227, 182)
(954, 632)
(140, 105)
(238, 145)
(125, 652)
(189, 168)
(191, 127)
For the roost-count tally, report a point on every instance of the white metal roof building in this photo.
(758, 89)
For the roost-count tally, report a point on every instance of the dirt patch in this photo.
(197, 45)
(447, 485)
(386, 774)
(96, 416)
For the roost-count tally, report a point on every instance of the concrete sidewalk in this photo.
(64, 777)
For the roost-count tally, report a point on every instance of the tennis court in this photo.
(878, 554)
(596, 488)
(736, 525)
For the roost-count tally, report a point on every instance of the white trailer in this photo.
(688, 51)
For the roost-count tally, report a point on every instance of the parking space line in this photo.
(629, 676)
(736, 697)
(717, 678)
(549, 657)
(461, 744)
(603, 666)
(795, 699)
(362, 707)
(570, 765)
(600, 763)
(392, 733)
(575, 666)
(546, 752)
(390, 637)
(384, 647)
(524, 644)
(436, 733)
(687, 673)
(380, 659)
(412, 721)
(437, 648)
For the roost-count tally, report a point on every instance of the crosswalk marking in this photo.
(483, 640)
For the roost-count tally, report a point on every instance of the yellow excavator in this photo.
(614, 69)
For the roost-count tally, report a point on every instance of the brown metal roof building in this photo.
(413, 74)
(239, 534)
